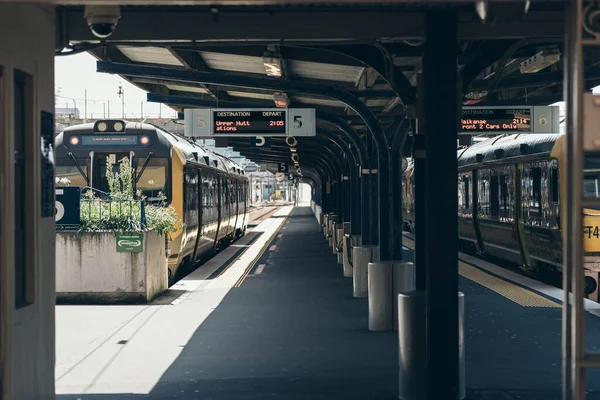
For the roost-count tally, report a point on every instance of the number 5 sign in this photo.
(301, 122)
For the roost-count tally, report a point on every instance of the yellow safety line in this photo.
(261, 253)
(515, 293)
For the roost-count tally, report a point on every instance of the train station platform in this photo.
(288, 328)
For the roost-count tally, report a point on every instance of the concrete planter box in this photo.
(89, 270)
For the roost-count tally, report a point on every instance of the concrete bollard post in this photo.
(340, 243)
(346, 256)
(361, 257)
(332, 219)
(321, 222)
(412, 346)
(380, 296)
(325, 219)
(403, 281)
(334, 235)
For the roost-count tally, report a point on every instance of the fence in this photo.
(112, 214)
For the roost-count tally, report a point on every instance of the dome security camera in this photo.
(102, 20)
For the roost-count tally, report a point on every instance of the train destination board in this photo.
(215, 122)
(247, 121)
(497, 119)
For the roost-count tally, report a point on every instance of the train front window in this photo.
(153, 179)
(67, 173)
(591, 177)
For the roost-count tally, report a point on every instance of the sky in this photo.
(76, 74)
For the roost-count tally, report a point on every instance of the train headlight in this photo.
(102, 127)
(144, 140)
(590, 285)
(74, 140)
(118, 126)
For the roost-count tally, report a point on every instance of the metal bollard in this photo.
(361, 257)
(412, 346)
(340, 243)
(380, 296)
(403, 281)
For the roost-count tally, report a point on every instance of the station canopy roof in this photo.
(372, 52)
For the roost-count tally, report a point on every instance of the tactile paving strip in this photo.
(515, 293)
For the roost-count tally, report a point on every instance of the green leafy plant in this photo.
(121, 211)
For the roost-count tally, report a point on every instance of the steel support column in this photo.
(398, 139)
(364, 163)
(440, 223)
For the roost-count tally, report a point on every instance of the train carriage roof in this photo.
(507, 146)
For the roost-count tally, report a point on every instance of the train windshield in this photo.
(67, 173)
(153, 179)
(591, 177)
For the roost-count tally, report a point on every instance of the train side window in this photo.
(461, 193)
(494, 198)
(467, 192)
(535, 195)
(484, 193)
(555, 185)
(504, 203)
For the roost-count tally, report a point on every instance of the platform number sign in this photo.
(260, 142)
(67, 204)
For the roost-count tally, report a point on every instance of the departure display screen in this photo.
(497, 119)
(249, 122)
(109, 140)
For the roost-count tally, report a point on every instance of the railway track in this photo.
(261, 213)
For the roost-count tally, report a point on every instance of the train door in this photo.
(519, 215)
(220, 213)
(236, 205)
(476, 208)
(99, 165)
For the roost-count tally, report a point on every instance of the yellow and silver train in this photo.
(208, 191)
(510, 204)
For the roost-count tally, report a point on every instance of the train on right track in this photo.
(510, 202)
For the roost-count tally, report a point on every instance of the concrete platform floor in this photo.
(291, 331)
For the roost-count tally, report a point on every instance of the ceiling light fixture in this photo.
(272, 62)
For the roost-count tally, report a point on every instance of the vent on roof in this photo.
(479, 157)
(216, 163)
(524, 148)
(499, 153)
(195, 153)
(206, 160)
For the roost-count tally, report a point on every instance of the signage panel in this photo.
(510, 119)
(109, 140)
(219, 122)
(130, 242)
(67, 205)
(249, 121)
(499, 119)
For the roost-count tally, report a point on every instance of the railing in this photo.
(112, 214)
